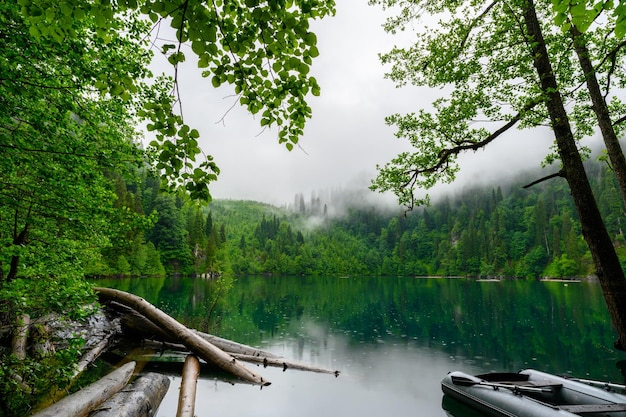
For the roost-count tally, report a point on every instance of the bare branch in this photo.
(556, 174)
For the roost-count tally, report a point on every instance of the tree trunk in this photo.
(139, 399)
(600, 108)
(20, 336)
(187, 395)
(608, 268)
(191, 340)
(19, 239)
(81, 402)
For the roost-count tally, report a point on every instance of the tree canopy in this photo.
(582, 13)
(263, 49)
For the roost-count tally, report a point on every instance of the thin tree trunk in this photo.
(188, 385)
(88, 398)
(281, 363)
(20, 336)
(608, 268)
(191, 340)
(600, 108)
(19, 239)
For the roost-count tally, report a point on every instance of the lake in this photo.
(392, 338)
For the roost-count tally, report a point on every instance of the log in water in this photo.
(81, 402)
(139, 399)
(179, 332)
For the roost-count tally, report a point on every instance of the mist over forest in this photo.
(483, 231)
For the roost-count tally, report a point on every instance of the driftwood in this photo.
(92, 355)
(175, 352)
(139, 399)
(176, 330)
(279, 362)
(187, 395)
(20, 335)
(138, 324)
(81, 402)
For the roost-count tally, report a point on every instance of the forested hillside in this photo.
(485, 232)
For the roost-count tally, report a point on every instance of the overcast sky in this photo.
(347, 136)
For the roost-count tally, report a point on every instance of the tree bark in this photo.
(191, 340)
(139, 399)
(20, 336)
(600, 108)
(81, 402)
(187, 395)
(608, 268)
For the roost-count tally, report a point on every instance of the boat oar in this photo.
(466, 382)
(599, 383)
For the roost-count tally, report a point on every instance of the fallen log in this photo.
(234, 347)
(187, 395)
(92, 355)
(279, 362)
(175, 352)
(81, 402)
(179, 332)
(139, 399)
(131, 319)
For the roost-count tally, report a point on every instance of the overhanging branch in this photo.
(556, 174)
(443, 158)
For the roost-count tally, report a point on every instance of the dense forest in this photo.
(500, 231)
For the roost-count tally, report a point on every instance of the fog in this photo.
(347, 137)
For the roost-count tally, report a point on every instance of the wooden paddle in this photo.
(466, 382)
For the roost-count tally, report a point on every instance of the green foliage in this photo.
(582, 14)
(39, 374)
(480, 55)
(526, 234)
(263, 49)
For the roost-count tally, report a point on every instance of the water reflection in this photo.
(393, 338)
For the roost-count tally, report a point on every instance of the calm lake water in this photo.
(393, 339)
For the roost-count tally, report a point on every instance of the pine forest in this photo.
(488, 232)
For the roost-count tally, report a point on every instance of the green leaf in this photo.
(34, 32)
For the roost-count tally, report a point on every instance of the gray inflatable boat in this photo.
(532, 393)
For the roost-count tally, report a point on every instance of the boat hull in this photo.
(534, 394)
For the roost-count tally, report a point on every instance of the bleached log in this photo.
(133, 320)
(188, 385)
(81, 402)
(92, 355)
(177, 352)
(281, 363)
(194, 343)
(20, 335)
(139, 399)
(234, 347)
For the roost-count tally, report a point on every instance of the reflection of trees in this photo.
(514, 324)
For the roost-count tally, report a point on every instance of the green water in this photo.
(392, 338)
